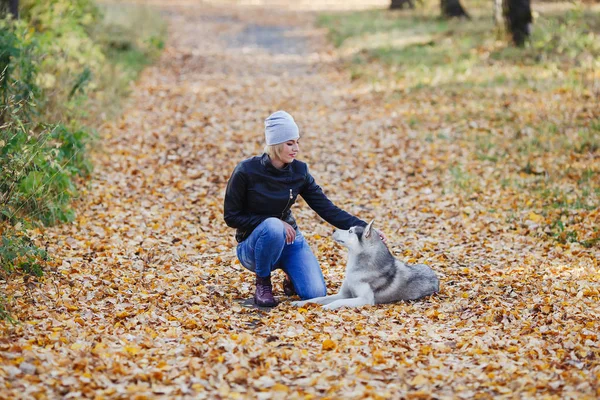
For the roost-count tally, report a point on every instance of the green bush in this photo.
(19, 92)
(19, 252)
(61, 66)
(38, 174)
(71, 57)
(38, 162)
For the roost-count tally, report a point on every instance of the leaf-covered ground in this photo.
(145, 297)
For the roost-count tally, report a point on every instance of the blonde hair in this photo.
(274, 150)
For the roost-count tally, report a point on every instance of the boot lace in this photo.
(265, 290)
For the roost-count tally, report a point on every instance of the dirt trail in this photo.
(144, 299)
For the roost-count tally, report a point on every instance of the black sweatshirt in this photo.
(257, 191)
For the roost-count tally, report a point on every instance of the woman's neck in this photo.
(277, 163)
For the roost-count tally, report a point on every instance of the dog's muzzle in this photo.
(337, 236)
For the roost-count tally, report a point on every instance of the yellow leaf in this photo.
(418, 394)
(535, 217)
(76, 346)
(190, 324)
(419, 380)
(198, 387)
(122, 314)
(133, 350)
(329, 344)
(278, 387)
(546, 309)
(378, 356)
(98, 348)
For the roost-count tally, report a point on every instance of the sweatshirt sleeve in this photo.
(316, 199)
(235, 201)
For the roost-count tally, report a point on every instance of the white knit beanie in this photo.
(280, 127)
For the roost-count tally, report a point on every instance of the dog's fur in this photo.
(374, 276)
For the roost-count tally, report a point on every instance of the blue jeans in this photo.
(265, 250)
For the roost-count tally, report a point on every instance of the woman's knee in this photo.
(273, 227)
(271, 231)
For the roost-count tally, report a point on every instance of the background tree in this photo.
(517, 14)
(498, 19)
(400, 4)
(11, 6)
(452, 9)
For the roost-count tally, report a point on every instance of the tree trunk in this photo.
(452, 9)
(399, 4)
(498, 19)
(10, 6)
(14, 8)
(517, 14)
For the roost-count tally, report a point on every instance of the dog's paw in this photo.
(330, 307)
(299, 303)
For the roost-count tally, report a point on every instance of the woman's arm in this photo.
(316, 199)
(235, 201)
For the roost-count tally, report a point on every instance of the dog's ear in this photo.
(368, 229)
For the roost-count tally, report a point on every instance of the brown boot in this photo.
(263, 296)
(288, 286)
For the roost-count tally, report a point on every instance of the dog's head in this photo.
(357, 237)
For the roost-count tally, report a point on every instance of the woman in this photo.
(258, 202)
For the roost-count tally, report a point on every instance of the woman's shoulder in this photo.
(248, 164)
(300, 167)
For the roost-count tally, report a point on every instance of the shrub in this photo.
(61, 66)
(18, 70)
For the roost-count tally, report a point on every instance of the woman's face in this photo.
(289, 151)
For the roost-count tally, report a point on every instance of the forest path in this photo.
(146, 297)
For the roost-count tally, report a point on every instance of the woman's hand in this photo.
(290, 233)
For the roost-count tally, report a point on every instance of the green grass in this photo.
(358, 24)
(532, 113)
(461, 180)
(424, 50)
(133, 37)
(486, 148)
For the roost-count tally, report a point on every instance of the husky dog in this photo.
(373, 275)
